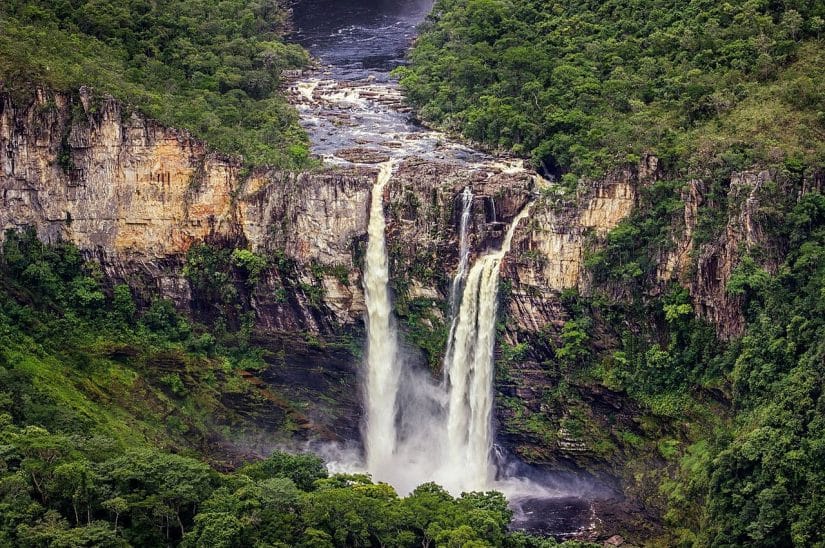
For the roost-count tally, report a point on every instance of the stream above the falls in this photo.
(351, 108)
(354, 114)
(359, 39)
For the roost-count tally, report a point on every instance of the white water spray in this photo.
(383, 371)
(470, 372)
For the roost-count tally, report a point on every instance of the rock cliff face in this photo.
(549, 253)
(707, 270)
(83, 169)
(137, 196)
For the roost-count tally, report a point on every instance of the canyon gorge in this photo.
(418, 290)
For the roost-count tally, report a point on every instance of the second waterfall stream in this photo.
(383, 367)
(417, 429)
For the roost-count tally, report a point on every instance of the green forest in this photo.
(210, 67)
(750, 472)
(583, 86)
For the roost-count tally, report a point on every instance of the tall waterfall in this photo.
(470, 371)
(383, 370)
(419, 430)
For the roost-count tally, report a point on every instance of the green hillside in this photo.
(582, 86)
(212, 67)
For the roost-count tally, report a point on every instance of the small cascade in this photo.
(383, 370)
(470, 371)
(463, 248)
(461, 271)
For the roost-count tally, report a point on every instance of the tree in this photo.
(574, 339)
(302, 468)
(123, 305)
(75, 481)
(117, 506)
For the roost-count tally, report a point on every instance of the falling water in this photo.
(419, 431)
(461, 271)
(383, 371)
(470, 371)
(463, 247)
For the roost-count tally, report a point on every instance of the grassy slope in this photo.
(75, 361)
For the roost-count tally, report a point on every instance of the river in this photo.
(354, 113)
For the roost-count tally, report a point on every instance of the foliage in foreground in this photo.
(61, 491)
(207, 66)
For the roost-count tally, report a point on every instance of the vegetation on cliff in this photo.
(207, 66)
(753, 475)
(582, 85)
(110, 416)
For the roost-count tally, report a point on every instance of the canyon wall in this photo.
(137, 196)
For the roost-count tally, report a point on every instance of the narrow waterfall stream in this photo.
(463, 248)
(470, 371)
(461, 272)
(383, 371)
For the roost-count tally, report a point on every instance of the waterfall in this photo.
(461, 271)
(463, 247)
(470, 372)
(418, 430)
(382, 371)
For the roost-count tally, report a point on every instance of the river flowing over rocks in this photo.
(421, 427)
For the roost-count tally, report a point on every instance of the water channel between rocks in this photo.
(354, 114)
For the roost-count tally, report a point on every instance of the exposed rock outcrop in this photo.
(706, 271)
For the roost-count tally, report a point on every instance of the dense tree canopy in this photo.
(583, 85)
(209, 66)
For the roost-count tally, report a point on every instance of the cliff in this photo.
(139, 198)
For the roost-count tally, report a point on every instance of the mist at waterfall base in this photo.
(421, 429)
